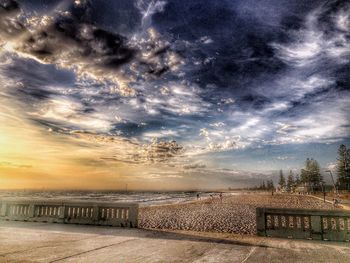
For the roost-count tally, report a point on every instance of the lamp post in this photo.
(335, 187)
(324, 191)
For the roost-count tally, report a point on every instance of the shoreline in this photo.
(192, 200)
(235, 214)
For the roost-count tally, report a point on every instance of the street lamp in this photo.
(335, 187)
(324, 191)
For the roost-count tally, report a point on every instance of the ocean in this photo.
(143, 198)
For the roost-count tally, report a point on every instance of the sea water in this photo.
(143, 198)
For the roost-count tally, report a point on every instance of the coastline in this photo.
(234, 214)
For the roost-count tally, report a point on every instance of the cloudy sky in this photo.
(170, 94)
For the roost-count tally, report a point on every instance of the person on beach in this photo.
(220, 197)
(211, 198)
(198, 197)
(336, 202)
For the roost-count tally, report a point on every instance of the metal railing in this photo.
(89, 213)
(330, 225)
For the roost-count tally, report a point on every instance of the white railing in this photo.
(90, 213)
(333, 225)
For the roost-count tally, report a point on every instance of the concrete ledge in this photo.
(314, 224)
(89, 213)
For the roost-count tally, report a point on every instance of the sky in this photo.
(170, 95)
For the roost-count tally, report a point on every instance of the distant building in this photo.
(302, 189)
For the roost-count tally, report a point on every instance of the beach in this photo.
(207, 230)
(232, 214)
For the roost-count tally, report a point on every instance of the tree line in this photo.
(343, 168)
(290, 183)
(310, 175)
(268, 185)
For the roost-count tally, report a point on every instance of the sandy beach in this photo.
(234, 214)
(193, 231)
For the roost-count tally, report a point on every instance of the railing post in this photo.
(260, 221)
(96, 213)
(64, 210)
(316, 228)
(133, 215)
(3, 209)
(31, 212)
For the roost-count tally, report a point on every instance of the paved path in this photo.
(345, 204)
(41, 242)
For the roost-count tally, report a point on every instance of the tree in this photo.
(297, 180)
(304, 173)
(282, 181)
(304, 176)
(343, 167)
(311, 174)
(315, 173)
(270, 185)
(290, 181)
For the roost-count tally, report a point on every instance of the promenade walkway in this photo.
(42, 242)
(345, 204)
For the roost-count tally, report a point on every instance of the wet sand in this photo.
(234, 214)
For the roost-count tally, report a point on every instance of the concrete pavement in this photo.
(43, 242)
(344, 204)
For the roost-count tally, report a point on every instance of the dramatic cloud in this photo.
(69, 39)
(194, 166)
(119, 149)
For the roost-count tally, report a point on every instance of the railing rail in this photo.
(330, 225)
(89, 213)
